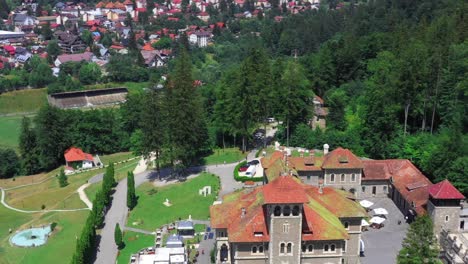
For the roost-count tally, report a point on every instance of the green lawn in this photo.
(219, 156)
(107, 159)
(133, 243)
(133, 87)
(151, 213)
(10, 127)
(23, 101)
(60, 245)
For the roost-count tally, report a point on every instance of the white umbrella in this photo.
(377, 220)
(366, 204)
(380, 211)
(364, 223)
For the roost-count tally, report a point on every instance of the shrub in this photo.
(244, 178)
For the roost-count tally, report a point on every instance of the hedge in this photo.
(244, 178)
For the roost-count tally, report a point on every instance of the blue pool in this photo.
(32, 237)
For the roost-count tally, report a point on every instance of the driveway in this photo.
(107, 250)
(382, 245)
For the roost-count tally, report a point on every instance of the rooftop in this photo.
(444, 190)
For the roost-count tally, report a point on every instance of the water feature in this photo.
(32, 237)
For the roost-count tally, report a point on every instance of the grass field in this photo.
(219, 156)
(60, 246)
(116, 157)
(10, 127)
(133, 243)
(151, 213)
(23, 101)
(133, 87)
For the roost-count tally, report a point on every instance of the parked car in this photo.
(243, 168)
(253, 162)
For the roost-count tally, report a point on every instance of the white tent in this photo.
(364, 223)
(380, 211)
(366, 204)
(377, 220)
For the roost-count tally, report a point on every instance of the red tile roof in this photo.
(320, 214)
(76, 154)
(284, 189)
(341, 158)
(305, 163)
(445, 190)
(86, 56)
(410, 183)
(377, 169)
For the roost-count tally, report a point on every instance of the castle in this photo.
(307, 210)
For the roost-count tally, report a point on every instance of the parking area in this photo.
(382, 245)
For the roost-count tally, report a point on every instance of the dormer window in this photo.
(258, 234)
(343, 159)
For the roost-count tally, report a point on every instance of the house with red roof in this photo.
(75, 158)
(287, 221)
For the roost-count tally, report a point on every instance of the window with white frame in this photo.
(260, 249)
(289, 248)
(329, 248)
(282, 248)
(286, 210)
(332, 248)
(254, 250)
(304, 248)
(345, 244)
(286, 228)
(346, 225)
(310, 248)
(343, 177)
(353, 177)
(326, 248)
(332, 177)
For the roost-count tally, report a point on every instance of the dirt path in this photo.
(84, 197)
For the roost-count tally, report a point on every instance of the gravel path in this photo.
(84, 197)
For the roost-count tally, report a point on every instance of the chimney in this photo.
(325, 149)
(243, 212)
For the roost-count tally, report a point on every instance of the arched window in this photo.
(304, 248)
(260, 249)
(254, 249)
(310, 248)
(343, 177)
(326, 248)
(282, 247)
(277, 211)
(286, 210)
(332, 177)
(332, 248)
(295, 211)
(346, 225)
(289, 249)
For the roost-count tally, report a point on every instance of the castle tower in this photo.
(284, 206)
(444, 207)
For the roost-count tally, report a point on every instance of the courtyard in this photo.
(382, 245)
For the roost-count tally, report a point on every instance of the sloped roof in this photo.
(284, 190)
(305, 163)
(341, 158)
(320, 211)
(86, 56)
(445, 190)
(410, 183)
(76, 154)
(377, 170)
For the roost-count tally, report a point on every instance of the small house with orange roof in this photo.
(75, 158)
(287, 221)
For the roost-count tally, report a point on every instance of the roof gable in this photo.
(445, 190)
(341, 158)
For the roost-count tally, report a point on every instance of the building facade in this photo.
(287, 221)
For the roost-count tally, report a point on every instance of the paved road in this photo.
(107, 250)
(382, 245)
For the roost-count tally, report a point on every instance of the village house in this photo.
(86, 56)
(75, 158)
(200, 38)
(320, 113)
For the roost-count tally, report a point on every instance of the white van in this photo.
(251, 171)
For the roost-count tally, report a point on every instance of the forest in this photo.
(392, 72)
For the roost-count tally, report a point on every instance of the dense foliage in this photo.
(420, 244)
(131, 196)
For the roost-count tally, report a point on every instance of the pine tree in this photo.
(188, 132)
(107, 183)
(62, 178)
(131, 197)
(118, 236)
(98, 209)
(28, 148)
(420, 245)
